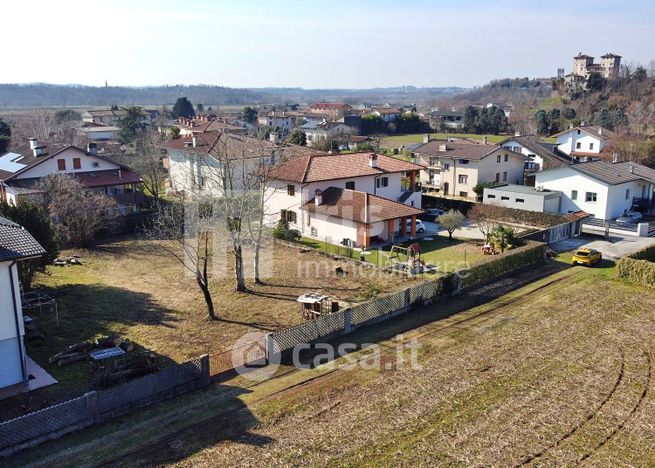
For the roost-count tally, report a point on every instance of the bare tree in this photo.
(185, 233)
(478, 214)
(145, 157)
(45, 126)
(79, 212)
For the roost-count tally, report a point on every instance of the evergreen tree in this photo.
(183, 108)
(5, 136)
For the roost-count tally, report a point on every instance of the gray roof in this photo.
(526, 190)
(540, 148)
(615, 173)
(16, 242)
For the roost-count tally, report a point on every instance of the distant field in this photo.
(399, 140)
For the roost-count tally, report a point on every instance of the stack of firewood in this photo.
(110, 372)
(81, 351)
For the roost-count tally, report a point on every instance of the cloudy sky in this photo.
(313, 43)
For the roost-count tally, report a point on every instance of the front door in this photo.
(445, 188)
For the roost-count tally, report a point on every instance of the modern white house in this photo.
(455, 167)
(16, 244)
(600, 188)
(584, 143)
(356, 199)
(321, 131)
(523, 197)
(22, 169)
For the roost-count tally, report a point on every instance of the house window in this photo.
(574, 194)
(590, 197)
(61, 164)
(464, 161)
(498, 158)
(289, 215)
(591, 146)
(463, 179)
(203, 181)
(520, 200)
(497, 176)
(313, 232)
(77, 163)
(382, 182)
(578, 132)
(463, 194)
(578, 145)
(506, 157)
(446, 166)
(627, 194)
(350, 185)
(504, 198)
(504, 176)
(95, 164)
(491, 196)
(291, 190)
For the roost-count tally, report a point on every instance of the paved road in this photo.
(614, 248)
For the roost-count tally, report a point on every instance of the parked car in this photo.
(431, 214)
(586, 257)
(420, 227)
(629, 217)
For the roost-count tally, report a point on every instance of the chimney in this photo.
(600, 130)
(631, 169)
(485, 140)
(120, 174)
(517, 133)
(33, 143)
(443, 147)
(92, 148)
(318, 197)
(426, 138)
(373, 160)
(615, 157)
(194, 141)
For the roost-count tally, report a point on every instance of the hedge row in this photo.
(529, 254)
(637, 271)
(513, 215)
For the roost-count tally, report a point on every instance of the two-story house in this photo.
(330, 110)
(354, 199)
(22, 169)
(600, 188)
(321, 131)
(584, 143)
(539, 155)
(455, 167)
(277, 120)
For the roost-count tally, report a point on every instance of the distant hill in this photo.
(49, 95)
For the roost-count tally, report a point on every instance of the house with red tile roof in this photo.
(22, 168)
(357, 199)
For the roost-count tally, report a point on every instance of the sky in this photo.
(313, 43)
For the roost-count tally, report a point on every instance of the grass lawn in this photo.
(447, 255)
(150, 300)
(554, 373)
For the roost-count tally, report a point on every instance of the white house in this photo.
(522, 197)
(584, 143)
(388, 114)
(277, 120)
(455, 167)
(538, 155)
(321, 131)
(22, 168)
(197, 164)
(16, 244)
(355, 199)
(600, 188)
(98, 132)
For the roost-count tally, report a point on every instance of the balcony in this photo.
(129, 198)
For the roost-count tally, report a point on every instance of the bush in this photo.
(498, 265)
(638, 271)
(447, 204)
(283, 232)
(513, 215)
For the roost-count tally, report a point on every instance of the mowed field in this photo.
(557, 372)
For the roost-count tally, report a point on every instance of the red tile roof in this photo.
(314, 168)
(329, 105)
(360, 207)
(235, 145)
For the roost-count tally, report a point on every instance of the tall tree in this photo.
(250, 115)
(5, 136)
(145, 157)
(183, 108)
(200, 108)
(132, 124)
(298, 137)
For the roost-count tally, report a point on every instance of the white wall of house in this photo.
(568, 142)
(87, 164)
(528, 155)
(510, 171)
(522, 201)
(12, 348)
(328, 229)
(575, 187)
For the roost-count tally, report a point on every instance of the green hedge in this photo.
(637, 271)
(513, 215)
(498, 265)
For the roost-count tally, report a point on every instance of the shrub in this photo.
(513, 215)
(638, 271)
(498, 265)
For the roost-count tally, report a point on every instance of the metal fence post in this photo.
(270, 347)
(91, 406)
(407, 298)
(347, 320)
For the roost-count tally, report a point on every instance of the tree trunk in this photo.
(208, 297)
(238, 269)
(256, 263)
(450, 235)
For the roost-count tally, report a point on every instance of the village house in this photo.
(97, 132)
(22, 169)
(388, 114)
(197, 164)
(329, 110)
(319, 132)
(277, 120)
(455, 167)
(585, 143)
(600, 188)
(356, 199)
(446, 120)
(112, 117)
(16, 245)
(206, 123)
(538, 155)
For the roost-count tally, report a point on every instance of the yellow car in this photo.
(587, 257)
